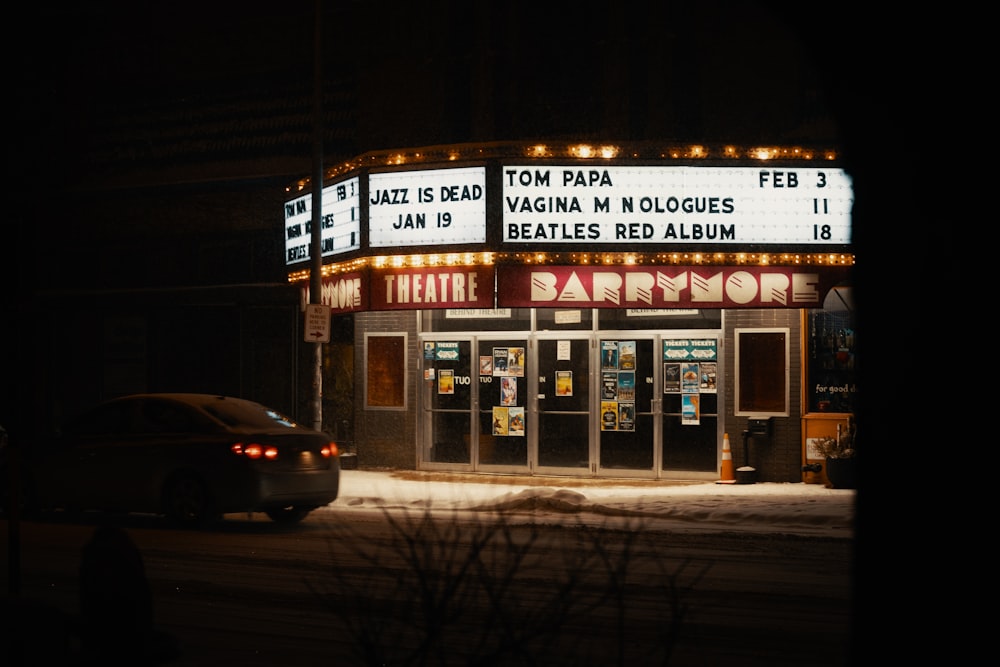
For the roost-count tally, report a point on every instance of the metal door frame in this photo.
(655, 409)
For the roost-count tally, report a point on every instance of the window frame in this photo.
(400, 376)
(754, 411)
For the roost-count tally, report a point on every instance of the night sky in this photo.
(449, 71)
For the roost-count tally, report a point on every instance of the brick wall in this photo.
(779, 457)
(386, 438)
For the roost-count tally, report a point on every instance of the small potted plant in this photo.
(841, 460)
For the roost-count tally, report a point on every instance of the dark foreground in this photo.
(414, 588)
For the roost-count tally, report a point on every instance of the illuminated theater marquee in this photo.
(683, 205)
(429, 207)
(401, 289)
(341, 222)
(675, 287)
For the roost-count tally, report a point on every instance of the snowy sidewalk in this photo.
(694, 506)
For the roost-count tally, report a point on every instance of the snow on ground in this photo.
(810, 509)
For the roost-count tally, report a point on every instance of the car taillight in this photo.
(329, 449)
(255, 451)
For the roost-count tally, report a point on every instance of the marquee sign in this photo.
(341, 222)
(438, 287)
(665, 287)
(643, 205)
(342, 293)
(468, 291)
(428, 207)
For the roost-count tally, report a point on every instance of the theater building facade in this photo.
(573, 310)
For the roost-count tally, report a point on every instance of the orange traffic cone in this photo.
(726, 472)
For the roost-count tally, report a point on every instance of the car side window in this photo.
(166, 417)
(111, 418)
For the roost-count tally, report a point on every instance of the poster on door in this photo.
(626, 416)
(508, 362)
(609, 355)
(626, 386)
(508, 421)
(609, 415)
(501, 420)
(690, 409)
(690, 379)
(709, 377)
(564, 383)
(515, 425)
(671, 378)
(609, 385)
(508, 391)
(626, 355)
(446, 381)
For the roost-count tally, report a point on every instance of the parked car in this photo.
(191, 457)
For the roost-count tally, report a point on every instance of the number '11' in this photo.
(823, 207)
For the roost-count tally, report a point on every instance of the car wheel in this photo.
(187, 501)
(288, 515)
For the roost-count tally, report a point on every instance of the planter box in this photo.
(842, 473)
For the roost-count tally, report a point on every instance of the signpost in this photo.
(317, 329)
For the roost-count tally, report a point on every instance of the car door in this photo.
(80, 468)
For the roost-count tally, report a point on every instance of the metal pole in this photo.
(316, 246)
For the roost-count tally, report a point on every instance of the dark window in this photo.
(159, 416)
(762, 372)
(385, 371)
(831, 382)
(114, 417)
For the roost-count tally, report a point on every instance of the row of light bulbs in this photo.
(581, 259)
(635, 151)
(455, 152)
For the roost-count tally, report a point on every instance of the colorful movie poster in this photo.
(486, 365)
(508, 391)
(516, 421)
(501, 420)
(609, 355)
(671, 378)
(690, 409)
(609, 415)
(709, 377)
(626, 386)
(499, 361)
(626, 355)
(564, 383)
(446, 381)
(626, 416)
(515, 361)
(690, 379)
(609, 385)
(428, 349)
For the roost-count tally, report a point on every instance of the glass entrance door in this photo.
(626, 414)
(503, 403)
(691, 405)
(564, 400)
(447, 401)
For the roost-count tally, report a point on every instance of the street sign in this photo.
(317, 329)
